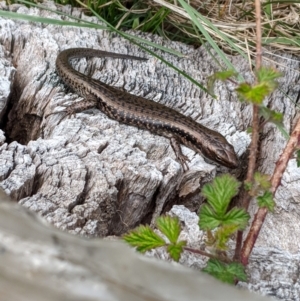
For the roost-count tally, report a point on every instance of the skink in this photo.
(142, 113)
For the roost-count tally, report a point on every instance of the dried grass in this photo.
(236, 20)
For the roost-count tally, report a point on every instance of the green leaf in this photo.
(208, 219)
(220, 192)
(267, 74)
(262, 180)
(135, 23)
(274, 117)
(248, 185)
(271, 115)
(224, 75)
(259, 92)
(249, 130)
(222, 235)
(266, 77)
(254, 94)
(175, 250)
(228, 273)
(144, 239)
(283, 131)
(266, 200)
(243, 89)
(236, 216)
(169, 226)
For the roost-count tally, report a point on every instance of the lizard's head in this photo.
(217, 148)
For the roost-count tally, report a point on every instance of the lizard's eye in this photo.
(218, 158)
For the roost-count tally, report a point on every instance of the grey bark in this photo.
(90, 174)
(93, 176)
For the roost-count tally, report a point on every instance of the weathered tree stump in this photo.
(93, 176)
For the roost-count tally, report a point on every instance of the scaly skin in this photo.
(142, 113)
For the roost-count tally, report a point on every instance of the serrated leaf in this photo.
(169, 226)
(271, 115)
(236, 216)
(175, 250)
(228, 273)
(224, 75)
(238, 270)
(254, 94)
(274, 117)
(243, 89)
(283, 131)
(266, 200)
(144, 239)
(223, 234)
(248, 186)
(208, 219)
(262, 180)
(267, 74)
(220, 192)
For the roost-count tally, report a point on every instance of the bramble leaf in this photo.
(220, 192)
(243, 89)
(271, 115)
(224, 75)
(274, 117)
(254, 94)
(248, 185)
(222, 235)
(175, 250)
(266, 200)
(169, 226)
(208, 219)
(144, 239)
(265, 85)
(267, 74)
(262, 180)
(236, 216)
(228, 273)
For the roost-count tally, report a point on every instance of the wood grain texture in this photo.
(94, 176)
(90, 174)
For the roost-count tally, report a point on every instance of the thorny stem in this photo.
(293, 143)
(255, 130)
